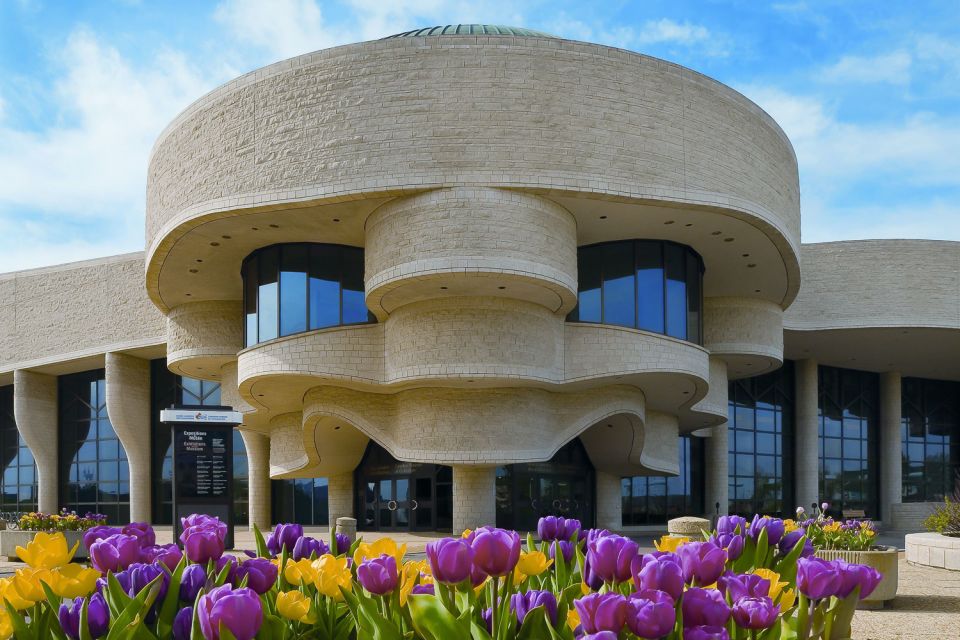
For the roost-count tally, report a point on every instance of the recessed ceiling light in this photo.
(745, 255)
(751, 265)
(443, 288)
(756, 290)
(336, 219)
(749, 364)
(274, 226)
(194, 270)
(259, 395)
(199, 260)
(689, 224)
(336, 428)
(668, 222)
(686, 393)
(226, 237)
(254, 228)
(603, 217)
(728, 239)
(610, 426)
(214, 244)
(716, 233)
(188, 294)
(501, 288)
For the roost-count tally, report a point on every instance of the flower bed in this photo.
(748, 580)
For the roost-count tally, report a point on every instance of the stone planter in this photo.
(883, 559)
(11, 539)
(688, 527)
(930, 549)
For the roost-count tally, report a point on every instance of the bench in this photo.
(854, 514)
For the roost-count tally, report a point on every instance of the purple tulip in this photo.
(138, 576)
(566, 549)
(343, 543)
(658, 572)
(603, 635)
(284, 536)
(790, 540)
(731, 543)
(450, 560)
(238, 610)
(651, 614)
(825, 506)
(705, 633)
(590, 578)
(423, 589)
(98, 617)
(487, 616)
(817, 578)
(610, 557)
(856, 575)
(99, 532)
(169, 554)
(602, 612)
(732, 525)
(523, 603)
(477, 576)
(183, 624)
(755, 613)
(551, 528)
(704, 607)
(702, 562)
(203, 543)
(307, 547)
(193, 578)
(261, 574)
(743, 585)
(201, 520)
(774, 527)
(142, 531)
(114, 553)
(495, 551)
(378, 575)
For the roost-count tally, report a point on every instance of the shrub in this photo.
(945, 518)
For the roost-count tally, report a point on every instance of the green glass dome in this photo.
(472, 30)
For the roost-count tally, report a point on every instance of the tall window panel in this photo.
(19, 490)
(297, 287)
(656, 499)
(930, 435)
(94, 474)
(303, 500)
(652, 285)
(849, 440)
(760, 438)
(168, 390)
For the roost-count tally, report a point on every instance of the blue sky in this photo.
(869, 93)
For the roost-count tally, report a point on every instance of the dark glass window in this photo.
(94, 474)
(19, 488)
(930, 437)
(302, 500)
(849, 440)
(647, 284)
(169, 389)
(656, 499)
(760, 437)
(292, 288)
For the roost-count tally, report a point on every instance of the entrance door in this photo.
(393, 504)
(562, 495)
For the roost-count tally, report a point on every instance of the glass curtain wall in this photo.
(645, 284)
(656, 499)
(930, 435)
(760, 443)
(292, 288)
(94, 474)
(19, 491)
(168, 390)
(303, 500)
(849, 440)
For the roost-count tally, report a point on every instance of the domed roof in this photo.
(472, 30)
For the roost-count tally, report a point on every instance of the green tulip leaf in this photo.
(535, 625)
(432, 620)
(171, 602)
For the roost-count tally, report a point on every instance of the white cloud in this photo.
(663, 32)
(666, 30)
(891, 68)
(285, 28)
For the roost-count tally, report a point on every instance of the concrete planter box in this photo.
(11, 539)
(933, 550)
(883, 560)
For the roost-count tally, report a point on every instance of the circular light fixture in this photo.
(336, 219)
(603, 217)
(188, 294)
(745, 255)
(689, 224)
(756, 290)
(716, 233)
(668, 222)
(194, 270)
(728, 239)
(226, 237)
(751, 265)
(199, 260)
(274, 226)
(443, 288)
(214, 244)
(501, 288)
(255, 228)
(336, 428)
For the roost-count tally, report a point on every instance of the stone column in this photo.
(891, 461)
(340, 497)
(258, 487)
(717, 476)
(128, 406)
(609, 502)
(35, 411)
(807, 440)
(474, 497)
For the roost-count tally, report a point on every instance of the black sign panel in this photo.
(203, 473)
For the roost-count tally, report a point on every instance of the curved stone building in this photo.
(472, 274)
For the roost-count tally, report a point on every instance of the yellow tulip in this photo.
(585, 588)
(787, 598)
(790, 525)
(669, 543)
(466, 533)
(573, 619)
(47, 551)
(26, 582)
(332, 574)
(72, 581)
(293, 605)
(8, 593)
(6, 627)
(775, 585)
(533, 563)
(409, 573)
(300, 572)
(383, 546)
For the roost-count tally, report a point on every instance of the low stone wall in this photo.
(11, 539)
(933, 550)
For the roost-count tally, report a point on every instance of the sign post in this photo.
(202, 463)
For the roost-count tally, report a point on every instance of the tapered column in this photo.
(609, 502)
(474, 497)
(808, 447)
(891, 460)
(128, 406)
(35, 411)
(258, 488)
(717, 489)
(340, 497)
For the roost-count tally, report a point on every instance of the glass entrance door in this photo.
(401, 496)
(564, 496)
(393, 504)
